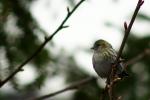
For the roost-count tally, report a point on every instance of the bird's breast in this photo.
(101, 65)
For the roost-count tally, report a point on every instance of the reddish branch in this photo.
(47, 39)
(127, 28)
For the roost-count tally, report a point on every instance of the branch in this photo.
(20, 67)
(127, 31)
(75, 85)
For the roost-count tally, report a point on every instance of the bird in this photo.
(103, 57)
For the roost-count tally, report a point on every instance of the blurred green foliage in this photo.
(19, 39)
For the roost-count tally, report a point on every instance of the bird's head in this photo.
(101, 44)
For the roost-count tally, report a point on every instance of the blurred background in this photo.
(67, 58)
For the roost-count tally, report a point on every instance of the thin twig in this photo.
(128, 29)
(127, 32)
(75, 85)
(20, 67)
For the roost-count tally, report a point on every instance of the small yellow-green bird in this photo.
(103, 58)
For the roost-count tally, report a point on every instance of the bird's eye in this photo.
(97, 45)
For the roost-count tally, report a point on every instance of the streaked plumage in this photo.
(103, 57)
